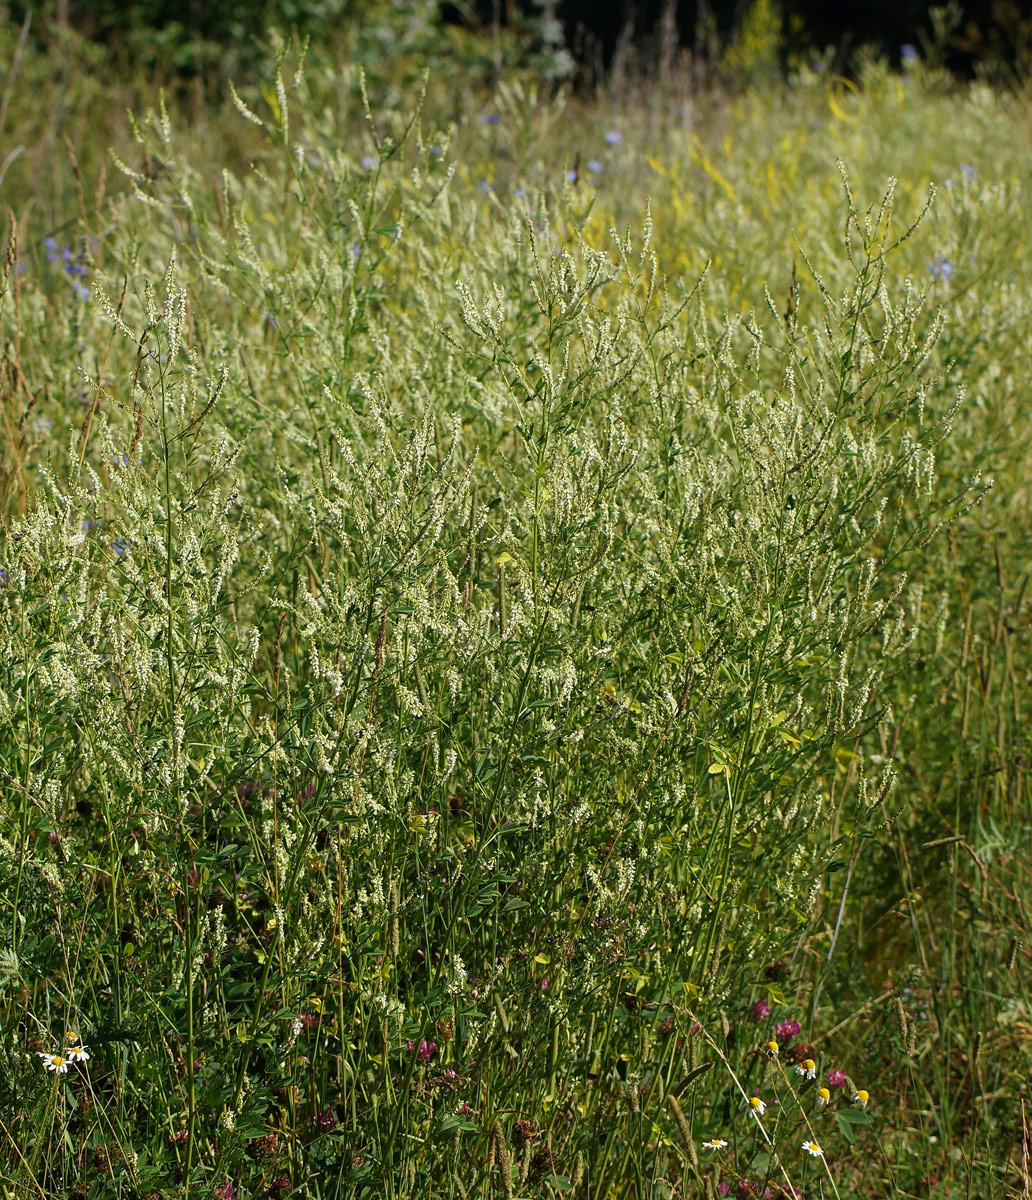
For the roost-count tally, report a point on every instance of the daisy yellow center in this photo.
(755, 1101)
(57, 1060)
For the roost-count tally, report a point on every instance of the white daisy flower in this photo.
(75, 1051)
(823, 1097)
(807, 1068)
(756, 1106)
(54, 1062)
(861, 1098)
(716, 1144)
(813, 1150)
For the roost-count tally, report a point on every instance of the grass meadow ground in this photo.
(514, 637)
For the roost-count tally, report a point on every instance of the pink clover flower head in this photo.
(724, 1189)
(836, 1078)
(787, 1030)
(226, 1192)
(425, 1052)
(761, 1010)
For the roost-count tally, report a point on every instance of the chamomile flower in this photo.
(807, 1068)
(813, 1150)
(861, 1098)
(715, 1144)
(75, 1051)
(770, 1049)
(823, 1097)
(756, 1106)
(54, 1062)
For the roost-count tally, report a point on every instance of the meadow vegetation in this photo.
(514, 633)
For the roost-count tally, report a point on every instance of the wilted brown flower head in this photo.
(524, 1133)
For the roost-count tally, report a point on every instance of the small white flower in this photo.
(861, 1098)
(716, 1144)
(813, 1150)
(74, 1050)
(756, 1106)
(807, 1068)
(823, 1097)
(54, 1062)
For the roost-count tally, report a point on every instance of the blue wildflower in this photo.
(118, 545)
(50, 249)
(614, 137)
(368, 161)
(967, 170)
(491, 119)
(941, 268)
(594, 166)
(81, 292)
(908, 53)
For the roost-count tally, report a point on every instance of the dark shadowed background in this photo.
(193, 33)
